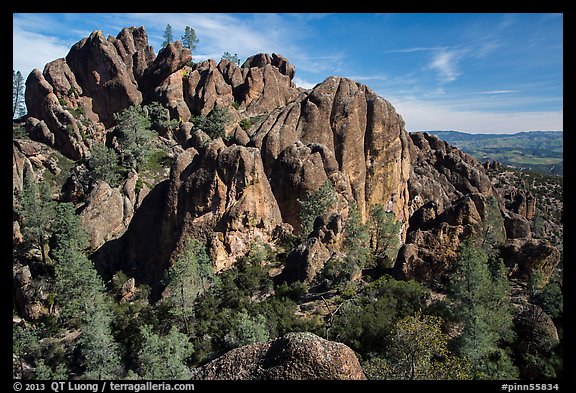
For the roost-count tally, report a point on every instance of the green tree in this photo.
(316, 204)
(418, 350)
(18, 103)
(68, 233)
(480, 301)
(189, 39)
(168, 38)
(37, 210)
(231, 58)
(46, 373)
(356, 236)
(191, 275)
(25, 347)
(134, 136)
(100, 351)
(248, 330)
(103, 162)
(385, 238)
(365, 322)
(164, 357)
(215, 123)
(160, 117)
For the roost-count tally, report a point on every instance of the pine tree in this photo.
(38, 212)
(191, 275)
(480, 301)
(103, 162)
(134, 136)
(231, 58)
(18, 103)
(164, 357)
(215, 123)
(314, 205)
(418, 350)
(385, 238)
(168, 38)
(356, 237)
(189, 39)
(248, 330)
(101, 352)
(81, 297)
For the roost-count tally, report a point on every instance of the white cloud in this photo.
(498, 92)
(34, 50)
(416, 49)
(445, 63)
(421, 115)
(368, 77)
(305, 84)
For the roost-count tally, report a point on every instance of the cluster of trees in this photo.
(190, 40)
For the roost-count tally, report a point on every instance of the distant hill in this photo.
(539, 151)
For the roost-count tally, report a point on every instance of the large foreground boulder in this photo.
(295, 356)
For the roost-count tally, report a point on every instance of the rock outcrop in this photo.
(522, 256)
(295, 356)
(450, 201)
(107, 211)
(343, 132)
(290, 142)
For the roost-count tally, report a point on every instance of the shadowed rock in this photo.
(295, 356)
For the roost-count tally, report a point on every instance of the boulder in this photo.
(517, 226)
(522, 256)
(103, 215)
(29, 297)
(295, 356)
(305, 261)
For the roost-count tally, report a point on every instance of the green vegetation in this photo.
(164, 357)
(104, 162)
(418, 350)
(245, 124)
(315, 204)
(189, 39)
(231, 58)
(38, 212)
(385, 236)
(214, 124)
(366, 322)
(134, 136)
(190, 276)
(168, 37)
(479, 299)
(18, 103)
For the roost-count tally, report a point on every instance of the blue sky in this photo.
(474, 73)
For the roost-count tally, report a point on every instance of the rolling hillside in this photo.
(540, 151)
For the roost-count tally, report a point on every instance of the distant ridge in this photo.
(539, 151)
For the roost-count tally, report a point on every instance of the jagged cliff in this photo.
(228, 193)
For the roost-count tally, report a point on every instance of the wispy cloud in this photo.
(368, 77)
(498, 92)
(445, 63)
(34, 50)
(431, 115)
(305, 84)
(416, 49)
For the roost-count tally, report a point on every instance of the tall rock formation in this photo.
(283, 143)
